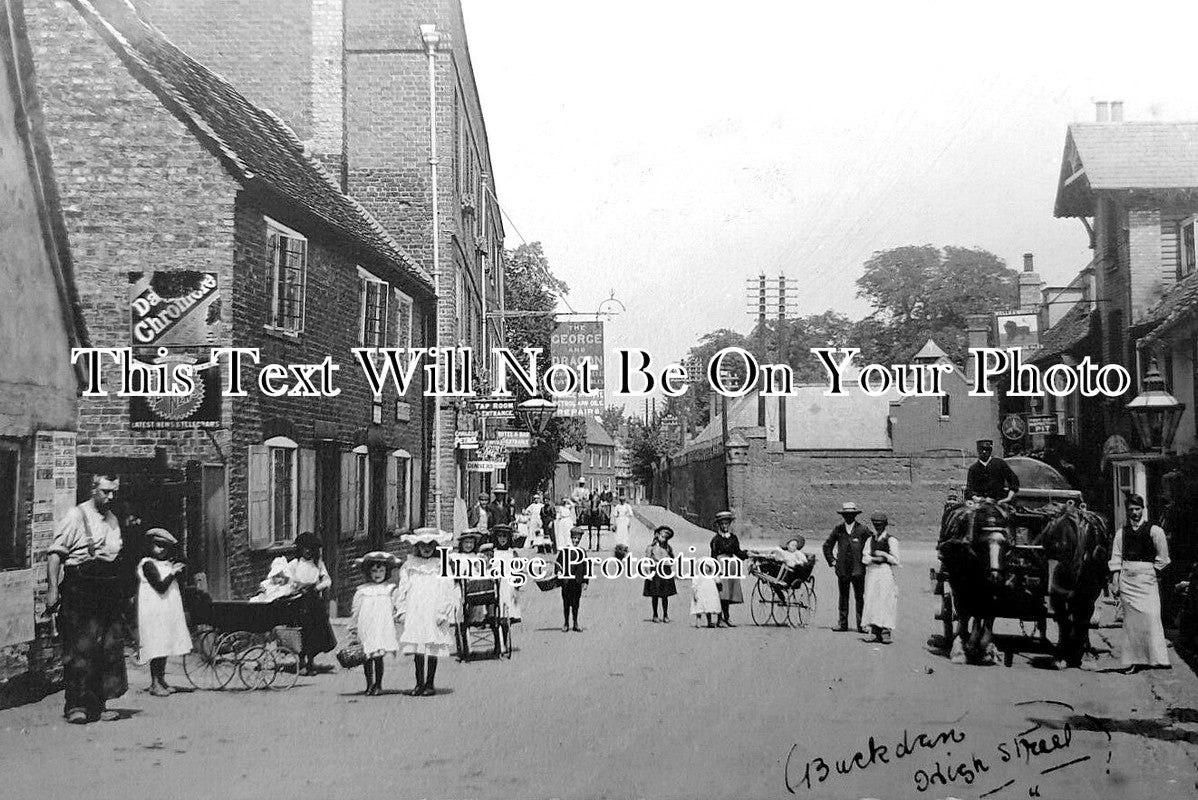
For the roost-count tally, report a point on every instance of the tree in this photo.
(922, 292)
(530, 285)
(799, 335)
(611, 419)
(647, 445)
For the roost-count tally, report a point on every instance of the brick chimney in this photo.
(1116, 111)
(1102, 111)
(978, 329)
(1030, 284)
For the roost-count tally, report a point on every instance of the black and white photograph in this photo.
(656, 400)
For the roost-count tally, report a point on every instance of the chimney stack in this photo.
(977, 328)
(1102, 111)
(1029, 286)
(1116, 111)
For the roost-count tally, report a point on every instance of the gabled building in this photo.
(352, 78)
(176, 186)
(1134, 185)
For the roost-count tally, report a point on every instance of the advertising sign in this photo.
(1042, 424)
(485, 466)
(175, 308)
(493, 407)
(16, 607)
(200, 409)
(53, 496)
(574, 343)
(514, 440)
(1018, 330)
(465, 440)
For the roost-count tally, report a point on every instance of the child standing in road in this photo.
(880, 555)
(572, 581)
(660, 588)
(427, 602)
(374, 613)
(161, 627)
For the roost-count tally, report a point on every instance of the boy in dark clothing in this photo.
(573, 581)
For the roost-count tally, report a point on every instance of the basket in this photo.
(548, 585)
(291, 638)
(352, 655)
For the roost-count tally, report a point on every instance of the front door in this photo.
(328, 509)
(215, 526)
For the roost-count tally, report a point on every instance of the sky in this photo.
(670, 150)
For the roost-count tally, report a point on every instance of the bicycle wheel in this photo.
(256, 667)
(761, 606)
(213, 662)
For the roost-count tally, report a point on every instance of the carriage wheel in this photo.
(761, 606)
(946, 619)
(286, 666)
(257, 667)
(213, 662)
(802, 606)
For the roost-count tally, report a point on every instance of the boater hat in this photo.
(377, 557)
(429, 535)
(724, 515)
(499, 488)
(849, 508)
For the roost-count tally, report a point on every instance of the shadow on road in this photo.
(1163, 729)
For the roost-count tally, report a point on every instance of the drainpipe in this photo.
(428, 33)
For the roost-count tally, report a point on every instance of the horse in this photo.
(973, 540)
(1079, 541)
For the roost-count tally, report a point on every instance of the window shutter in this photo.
(392, 493)
(307, 490)
(349, 480)
(416, 492)
(259, 496)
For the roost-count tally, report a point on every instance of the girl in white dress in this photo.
(880, 555)
(509, 595)
(374, 613)
(161, 627)
(563, 524)
(427, 602)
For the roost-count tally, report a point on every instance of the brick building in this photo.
(352, 78)
(39, 324)
(790, 461)
(172, 181)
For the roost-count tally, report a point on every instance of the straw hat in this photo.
(794, 537)
(849, 508)
(388, 560)
(668, 531)
(728, 515)
(429, 535)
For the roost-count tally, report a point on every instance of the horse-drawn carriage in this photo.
(1043, 554)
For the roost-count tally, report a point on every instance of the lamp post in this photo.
(535, 413)
(1155, 412)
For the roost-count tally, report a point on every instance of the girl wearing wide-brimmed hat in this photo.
(725, 547)
(468, 560)
(427, 602)
(374, 612)
(161, 627)
(660, 589)
(880, 556)
(311, 579)
(509, 595)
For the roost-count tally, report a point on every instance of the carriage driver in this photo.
(990, 477)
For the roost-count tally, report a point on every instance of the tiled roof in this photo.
(257, 148)
(597, 434)
(1179, 305)
(1126, 155)
(1070, 331)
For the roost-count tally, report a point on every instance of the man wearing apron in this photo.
(1140, 552)
(89, 592)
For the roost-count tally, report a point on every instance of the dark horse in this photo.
(1079, 543)
(973, 539)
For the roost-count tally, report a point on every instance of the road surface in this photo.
(632, 709)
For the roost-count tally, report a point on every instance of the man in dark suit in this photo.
(990, 477)
(843, 552)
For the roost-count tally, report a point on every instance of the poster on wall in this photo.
(174, 308)
(16, 606)
(198, 409)
(54, 493)
(1018, 330)
(576, 343)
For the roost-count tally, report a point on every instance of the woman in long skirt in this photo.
(621, 520)
(1140, 551)
(725, 547)
(311, 578)
(881, 556)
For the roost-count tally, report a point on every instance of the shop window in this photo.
(12, 550)
(372, 310)
(287, 273)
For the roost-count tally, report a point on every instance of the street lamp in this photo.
(1155, 412)
(536, 413)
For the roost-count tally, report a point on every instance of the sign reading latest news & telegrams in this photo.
(178, 309)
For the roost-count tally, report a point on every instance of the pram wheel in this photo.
(212, 663)
(802, 604)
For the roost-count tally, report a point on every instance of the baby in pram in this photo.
(277, 584)
(788, 565)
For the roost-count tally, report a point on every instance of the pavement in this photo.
(629, 708)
